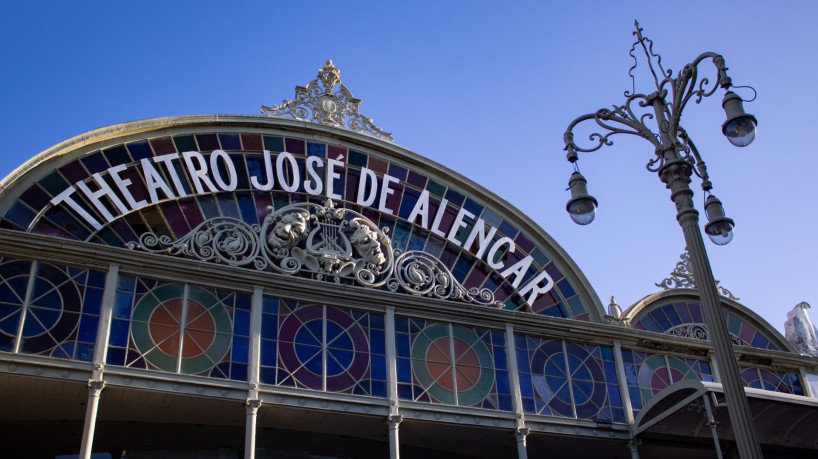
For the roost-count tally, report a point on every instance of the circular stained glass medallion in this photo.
(551, 381)
(654, 374)
(163, 332)
(14, 277)
(53, 312)
(473, 375)
(302, 345)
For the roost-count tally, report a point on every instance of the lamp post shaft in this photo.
(676, 176)
(676, 157)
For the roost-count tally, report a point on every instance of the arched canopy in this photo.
(295, 198)
(679, 410)
(679, 312)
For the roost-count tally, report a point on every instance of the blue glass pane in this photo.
(338, 361)
(269, 326)
(122, 305)
(88, 329)
(377, 343)
(238, 372)
(267, 375)
(336, 337)
(310, 334)
(9, 317)
(119, 333)
(405, 391)
(230, 141)
(125, 283)
(84, 352)
(378, 389)
(269, 305)
(20, 215)
(268, 353)
(379, 368)
(241, 323)
(505, 402)
(376, 321)
(404, 370)
(116, 356)
(528, 405)
(402, 345)
(240, 349)
(311, 357)
(93, 301)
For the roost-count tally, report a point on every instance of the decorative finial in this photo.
(659, 73)
(319, 102)
(682, 277)
(614, 310)
(614, 316)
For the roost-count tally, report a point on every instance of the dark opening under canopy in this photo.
(784, 422)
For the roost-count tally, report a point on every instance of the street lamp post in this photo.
(676, 161)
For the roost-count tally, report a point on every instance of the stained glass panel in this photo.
(62, 314)
(786, 382)
(323, 348)
(180, 329)
(14, 279)
(687, 319)
(647, 374)
(559, 378)
(451, 364)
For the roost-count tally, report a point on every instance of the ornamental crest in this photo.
(700, 331)
(321, 242)
(682, 277)
(320, 103)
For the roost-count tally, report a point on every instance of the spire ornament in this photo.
(320, 103)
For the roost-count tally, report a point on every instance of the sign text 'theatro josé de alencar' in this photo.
(217, 173)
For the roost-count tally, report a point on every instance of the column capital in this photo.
(252, 404)
(394, 420)
(634, 444)
(95, 386)
(521, 433)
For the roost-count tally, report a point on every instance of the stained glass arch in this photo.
(679, 312)
(156, 185)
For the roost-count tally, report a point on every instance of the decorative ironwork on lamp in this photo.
(676, 160)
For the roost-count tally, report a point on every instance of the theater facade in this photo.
(295, 285)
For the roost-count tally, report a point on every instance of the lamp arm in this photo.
(687, 85)
(616, 120)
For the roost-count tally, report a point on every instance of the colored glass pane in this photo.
(647, 374)
(564, 379)
(787, 382)
(176, 328)
(449, 364)
(325, 348)
(62, 313)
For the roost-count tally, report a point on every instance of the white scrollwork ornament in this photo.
(320, 103)
(700, 331)
(322, 242)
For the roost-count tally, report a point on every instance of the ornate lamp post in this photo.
(676, 160)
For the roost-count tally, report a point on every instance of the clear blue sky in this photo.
(485, 88)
